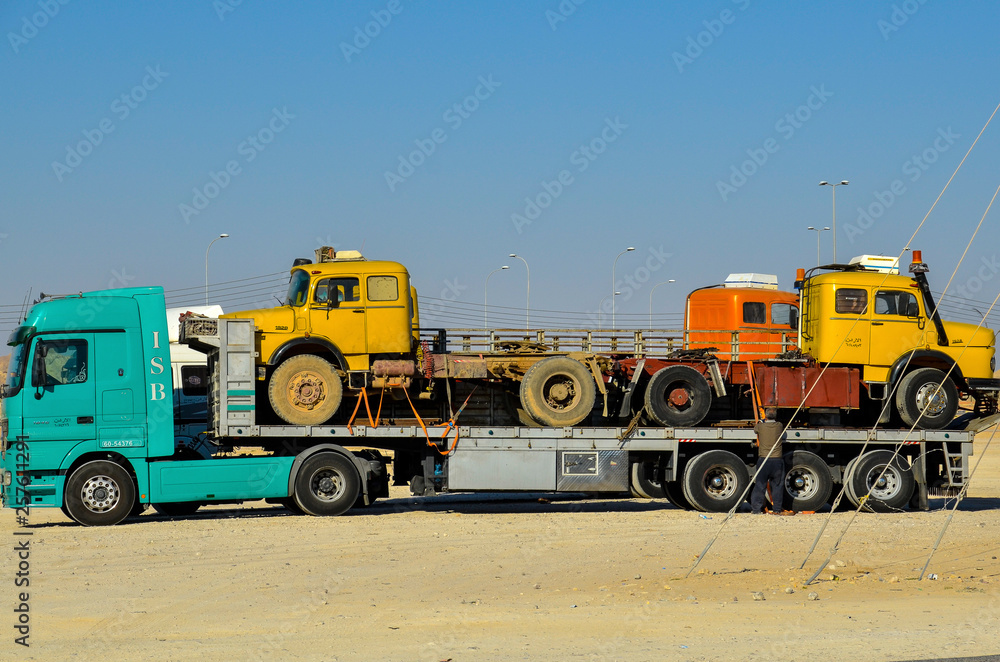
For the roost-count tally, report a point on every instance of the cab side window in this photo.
(754, 312)
(896, 303)
(63, 362)
(337, 291)
(784, 314)
(851, 301)
(383, 288)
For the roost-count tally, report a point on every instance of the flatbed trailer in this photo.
(705, 468)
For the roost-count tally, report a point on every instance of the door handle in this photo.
(357, 310)
(877, 323)
(84, 420)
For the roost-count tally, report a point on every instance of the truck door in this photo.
(121, 399)
(59, 394)
(896, 326)
(337, 312)
(848, 331)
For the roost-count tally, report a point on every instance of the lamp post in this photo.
(486, 325)
(221, 236)
(527, 299)
(600, 308)
(613, 283)
(834, 187)
(819, 231)
(651, 301)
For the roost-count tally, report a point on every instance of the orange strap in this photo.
(448, 426)
(368, 409)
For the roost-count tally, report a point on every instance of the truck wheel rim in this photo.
(720, 482)
(885, 487)
(100, 494)
(305, 390)
(327, 485)
(801, 483)
(935, 404)
(560, 392)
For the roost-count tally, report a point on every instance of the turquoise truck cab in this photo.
(88, 415)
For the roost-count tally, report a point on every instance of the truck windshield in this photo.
(298, 289)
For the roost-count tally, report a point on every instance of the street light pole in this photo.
(651, 301)
(527, 299)
(819, 231)
(613, 283)
(221, 236)
(834, 187)
(600, 308)
(486, 325)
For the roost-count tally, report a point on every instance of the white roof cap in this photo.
(762, 281)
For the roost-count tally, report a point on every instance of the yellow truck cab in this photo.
(342, 312)
(868, 315)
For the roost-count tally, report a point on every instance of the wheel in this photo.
(678, 396)
(99, 493)
(305, 390)
(558, 391)
(807, 481)
(887, 481)
(715, 481)
(177, 509)
(644, 484)
(674, 491)
(327, 484)
(919, 389)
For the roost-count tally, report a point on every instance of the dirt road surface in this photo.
(502, 577)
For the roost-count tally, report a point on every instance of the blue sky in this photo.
(625, 121)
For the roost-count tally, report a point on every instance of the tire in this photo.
(674, 492)
(678, 396)
(288, 503)
(643, 483)
(305, 390)
(558, 392)
(99, 493)
(915, 392)
(808, 483)
(889, 493)
(715, 481)
(849, 494)
(327, 484)
(177, 509)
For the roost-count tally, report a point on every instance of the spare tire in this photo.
(678, 396)
(558, 391)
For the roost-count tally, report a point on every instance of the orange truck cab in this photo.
(747, 318)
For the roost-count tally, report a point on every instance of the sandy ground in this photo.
(466, 577)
